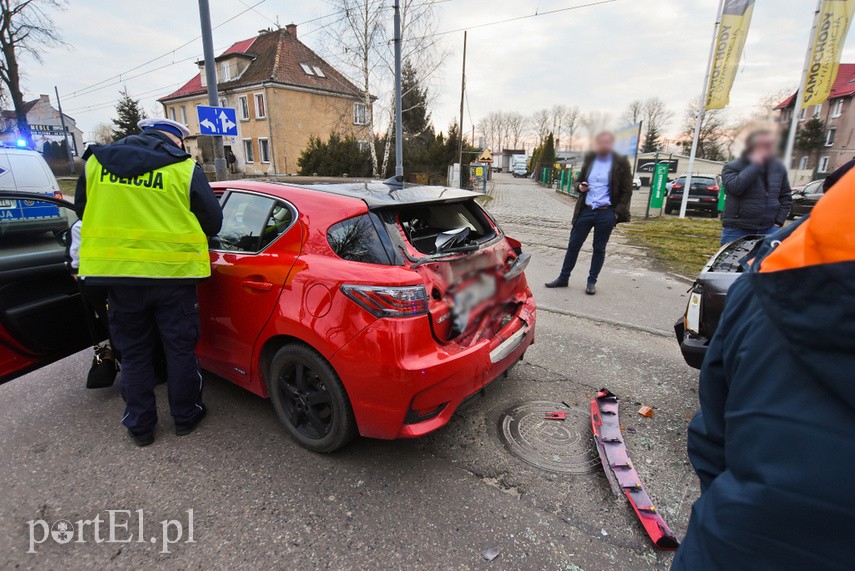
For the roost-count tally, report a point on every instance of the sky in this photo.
(599, 57)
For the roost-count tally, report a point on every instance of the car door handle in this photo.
(257, 285)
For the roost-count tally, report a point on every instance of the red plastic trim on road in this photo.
(621, 472)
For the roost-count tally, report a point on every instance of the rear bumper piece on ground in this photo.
(694, 349)
(605, 425)
(412, 385)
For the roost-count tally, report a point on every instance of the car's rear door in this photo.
(41, 313)
(251, 258)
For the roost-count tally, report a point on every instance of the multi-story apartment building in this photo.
(284, 94)
(838, 114)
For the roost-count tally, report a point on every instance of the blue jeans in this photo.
(602, 222)
(731, 233)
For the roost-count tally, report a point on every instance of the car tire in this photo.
(669, 210)
(310, 400)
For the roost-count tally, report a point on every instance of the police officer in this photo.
(147, 210)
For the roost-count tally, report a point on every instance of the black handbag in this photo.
(102, 373)
(105, 367)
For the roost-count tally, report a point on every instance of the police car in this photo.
(23, 170)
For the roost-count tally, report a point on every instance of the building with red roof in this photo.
(838, 117)
(284, 94)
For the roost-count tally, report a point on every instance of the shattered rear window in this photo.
(464, 223)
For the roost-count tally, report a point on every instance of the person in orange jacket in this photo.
(773, 443)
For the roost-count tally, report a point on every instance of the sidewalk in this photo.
(629, 291)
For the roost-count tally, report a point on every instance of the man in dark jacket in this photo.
(605, 184)
(773, 442)
(758, 193)
(147, 210)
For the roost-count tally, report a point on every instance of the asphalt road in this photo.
(439, 502)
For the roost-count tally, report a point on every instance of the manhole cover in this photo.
(556, 445)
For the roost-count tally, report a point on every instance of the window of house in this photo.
(224, 102)
(318, 71)
(264, 149)
(307, 69)
(183, 110)
(225, 71)
(829, 137)
(243, 108)
(823, 164)
(803, 163)
(837, 110)
(260, 111)
(817, 111)
(172, 113)
(248, 155)
(363, 146)
(802, 114)
(360, 114)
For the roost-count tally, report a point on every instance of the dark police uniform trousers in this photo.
(138, 314)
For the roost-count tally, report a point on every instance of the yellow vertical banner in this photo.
(831, 28)
(732, 31)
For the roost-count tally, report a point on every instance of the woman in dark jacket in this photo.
(774, 441)
(758, 192)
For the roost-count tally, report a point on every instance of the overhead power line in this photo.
(121, 76)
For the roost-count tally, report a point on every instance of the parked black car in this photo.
(805, 198)
(706, 300)
(703, 196)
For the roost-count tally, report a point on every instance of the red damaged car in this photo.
(358, 308)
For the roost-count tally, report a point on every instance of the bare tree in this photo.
(540, 122)
(516, 124)
(102, 134)
(360, 43)
(594, 122)
(656, 115)
(26, 27)
(571, 125)
(633, 113)
(713, 136)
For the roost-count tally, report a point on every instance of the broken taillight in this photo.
(389, 301)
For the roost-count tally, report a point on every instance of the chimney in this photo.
(292, 29)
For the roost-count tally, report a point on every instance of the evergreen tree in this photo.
(651, 140)
(547, 155)
(336, 157)
(129, 112)
(811, 138)
(414, 111)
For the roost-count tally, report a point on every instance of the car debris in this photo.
(646, 411)
(490, 553)
(620, 471)
(556, 415)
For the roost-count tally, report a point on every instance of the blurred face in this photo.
(604, 143)
(764, 145)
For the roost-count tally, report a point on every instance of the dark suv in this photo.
(703, 196)
(697, 326)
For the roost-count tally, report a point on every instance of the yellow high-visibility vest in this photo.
(142, 227)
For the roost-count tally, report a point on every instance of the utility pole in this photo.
(211, 78)
(460, 126)
(399, 135)
(64, 132)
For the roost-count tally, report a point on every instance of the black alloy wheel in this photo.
(310, 400)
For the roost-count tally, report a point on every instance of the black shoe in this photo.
(556, 283)
(591, 289)
(184, 429)
(142, 438)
